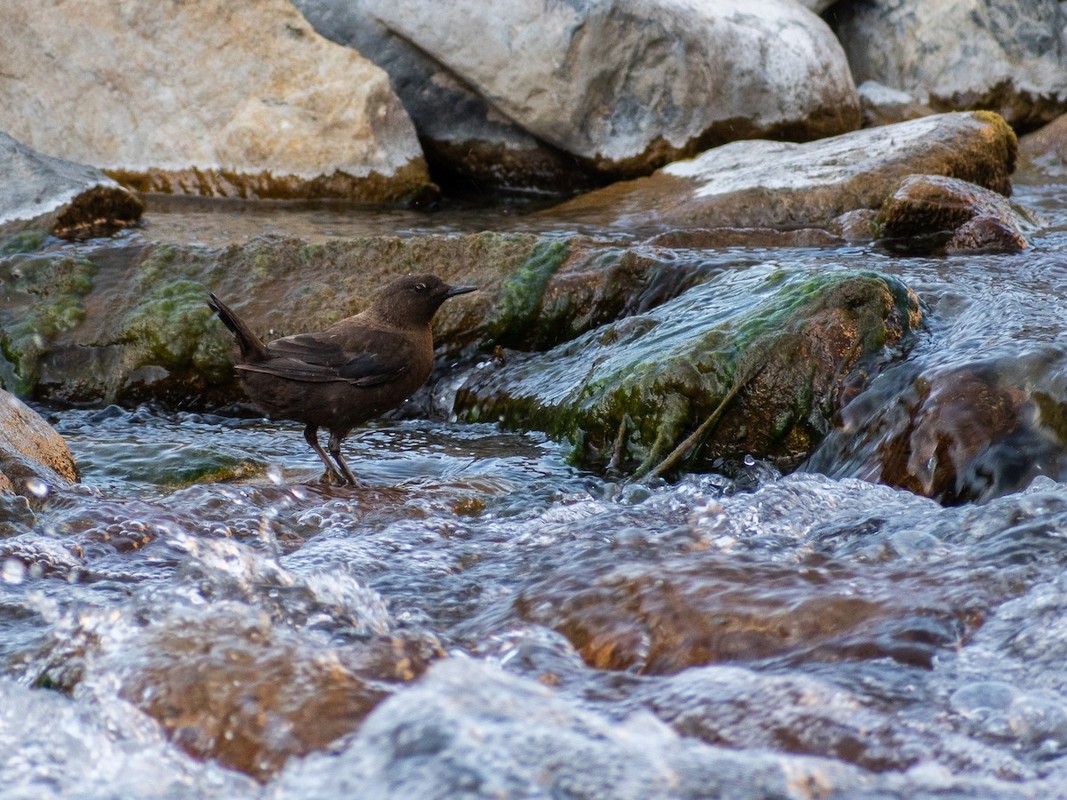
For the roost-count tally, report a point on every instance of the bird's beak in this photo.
(454, 290)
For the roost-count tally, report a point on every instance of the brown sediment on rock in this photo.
(410, 183)
(101, 211)
(233, 689)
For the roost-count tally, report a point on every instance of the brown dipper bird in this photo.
(348, 373)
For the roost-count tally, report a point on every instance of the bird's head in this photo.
(414, 299)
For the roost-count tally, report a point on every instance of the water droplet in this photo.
(274, 475)
(750, 460)
(37, 487)
(13, 571)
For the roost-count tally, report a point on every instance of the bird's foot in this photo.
(333, 478)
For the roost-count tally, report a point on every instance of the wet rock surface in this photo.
(931, 213)
(961, 428)
(785, 185)
(207, 99)
(33, 457)
(763, 374)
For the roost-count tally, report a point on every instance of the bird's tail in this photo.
(252, 347)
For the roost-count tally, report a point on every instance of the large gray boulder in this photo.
(628, 86)
(210, 97)
(74, 201)
(963, 54)
(469, 145)
(786, 185)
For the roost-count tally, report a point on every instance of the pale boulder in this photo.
(1003, 55)
(73, 201)
(883, 105)
(628, 86)
(215, 98)
(468, 144)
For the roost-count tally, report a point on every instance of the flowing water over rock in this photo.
(201, 617)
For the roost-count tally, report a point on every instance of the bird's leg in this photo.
(311, 435)
(335, 451)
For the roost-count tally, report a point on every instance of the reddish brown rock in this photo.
(951, 425)
(933, 213)
(33, 457)
(703, 609)
(251, 694)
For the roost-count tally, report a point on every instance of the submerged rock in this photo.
(1002, 55)
(54, 747)
(238, 660)
(226, 684)
(754, 363)
(932, 213)
(785, 185)
(34, 459)
(206, 98)
(626, 87)
(72, 201)
(470, 730)
(959, 434)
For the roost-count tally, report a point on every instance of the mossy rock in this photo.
(780, 348)
(129, 323)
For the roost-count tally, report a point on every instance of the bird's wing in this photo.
(377, 357)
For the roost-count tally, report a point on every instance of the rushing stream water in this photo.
(523, 628)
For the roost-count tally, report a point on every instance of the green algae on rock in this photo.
(129, 322)
(783, 347)
(22, 242)
(57, 284)
(520, 297)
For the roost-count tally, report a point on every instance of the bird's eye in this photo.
(420, 287)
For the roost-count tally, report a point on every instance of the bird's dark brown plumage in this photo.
(348, 373)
